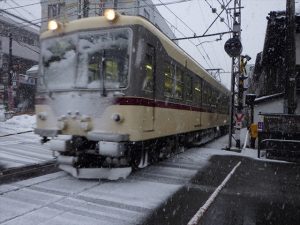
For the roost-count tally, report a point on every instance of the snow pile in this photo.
(18, 124)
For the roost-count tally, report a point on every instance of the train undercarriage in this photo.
(87, 159)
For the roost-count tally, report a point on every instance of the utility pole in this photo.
(290, 59)
(233, 47)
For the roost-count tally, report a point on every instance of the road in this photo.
(259, 193)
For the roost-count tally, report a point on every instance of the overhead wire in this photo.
(223, 53)
(164, 4)
(15, 10)
(22, 8)
(192, 32)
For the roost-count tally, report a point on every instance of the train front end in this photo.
(82, 73)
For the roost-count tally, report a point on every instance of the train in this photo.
(115, 94)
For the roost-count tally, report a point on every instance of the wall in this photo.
(70, 10)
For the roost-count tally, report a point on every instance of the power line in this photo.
(21, 6)
(23, 9)
(188, 28)
(218, 15)
(20, 18)
(201, 36)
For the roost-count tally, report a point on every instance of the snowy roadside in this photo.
(17, 124)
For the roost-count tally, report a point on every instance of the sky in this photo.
(197, 15)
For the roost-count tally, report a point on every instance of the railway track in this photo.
(23, 157)
(16, 133)
(58, 198)
(25, 172)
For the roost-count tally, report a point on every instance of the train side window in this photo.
(168, 75)
(148, 84)
(205, 96)
(209, 96)
(214, 98)
(189, 88)
(178, 84)
(197, 91)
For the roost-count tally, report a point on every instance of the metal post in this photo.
(235, 77)
(252, 113)
(231, 109)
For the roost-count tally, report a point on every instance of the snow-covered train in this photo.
(115, 94)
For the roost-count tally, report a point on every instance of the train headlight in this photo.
(54, 25)
(110, 14)
(42, 115)
(117, 118)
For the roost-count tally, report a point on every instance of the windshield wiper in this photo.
(102, 75)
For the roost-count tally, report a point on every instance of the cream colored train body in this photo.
(119, 94)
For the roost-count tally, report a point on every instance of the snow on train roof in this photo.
(172, 49)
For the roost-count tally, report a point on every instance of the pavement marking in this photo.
(197, 217)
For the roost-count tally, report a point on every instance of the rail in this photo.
(29, 171)
(22, 132)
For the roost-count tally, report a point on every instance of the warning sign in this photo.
(239, 117)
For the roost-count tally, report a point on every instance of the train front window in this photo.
(89, 60)
(104, 59)
(58, 63)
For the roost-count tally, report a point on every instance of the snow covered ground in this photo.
(61, 199)
(24, 148)
(17, 124)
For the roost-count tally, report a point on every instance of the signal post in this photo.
(233, 48)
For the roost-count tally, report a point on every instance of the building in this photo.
(26, 89)
(67, 10)
(24, 42)
(270, 71)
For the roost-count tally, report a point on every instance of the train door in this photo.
(149, 88)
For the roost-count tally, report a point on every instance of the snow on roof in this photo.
(21, 50)
(33, 69)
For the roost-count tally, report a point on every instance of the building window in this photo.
(101, 7)
(54, 10)
(115, 4)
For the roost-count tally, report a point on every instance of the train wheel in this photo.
(139, 159)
